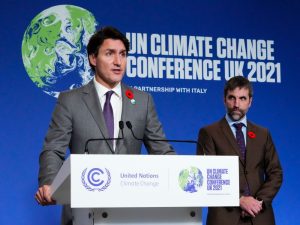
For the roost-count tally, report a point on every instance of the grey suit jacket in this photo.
(78, 117)
(262, 169)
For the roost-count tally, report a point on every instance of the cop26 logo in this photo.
(190, 179)
(95, 179)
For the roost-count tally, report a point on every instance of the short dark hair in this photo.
(98, 38)
(240, 82)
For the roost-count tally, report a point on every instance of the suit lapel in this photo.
(125, 102)
(90, 97)
(230, 138)
(124, 118)
(250, 141)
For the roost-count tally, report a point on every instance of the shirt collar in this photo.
(101, 89)
(231, 122)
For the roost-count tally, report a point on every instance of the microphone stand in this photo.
(129, 125)
(121, 126)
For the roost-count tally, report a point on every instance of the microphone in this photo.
(129, 125)
(121, 127)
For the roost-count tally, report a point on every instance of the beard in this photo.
(236, 114)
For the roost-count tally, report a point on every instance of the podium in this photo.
(145, 189)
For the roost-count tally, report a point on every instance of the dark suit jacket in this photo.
(261, 169)
(78, 117)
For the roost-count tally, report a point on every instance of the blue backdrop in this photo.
(184, 104)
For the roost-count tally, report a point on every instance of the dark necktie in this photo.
(241, 143)
(109, 114)
(240, 138)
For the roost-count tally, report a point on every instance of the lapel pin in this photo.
(130, 95)
(251, 134)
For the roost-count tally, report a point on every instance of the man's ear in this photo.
(92, 59)
(250, 101)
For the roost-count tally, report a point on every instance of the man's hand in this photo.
(250, 206)
(43, 196)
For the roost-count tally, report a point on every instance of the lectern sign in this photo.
(153, 181)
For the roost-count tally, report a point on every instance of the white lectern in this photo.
(145, 189)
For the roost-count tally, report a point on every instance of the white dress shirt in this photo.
(116, 103)
(244, 128)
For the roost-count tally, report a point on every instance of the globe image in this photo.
(54, 48)
(190, 180)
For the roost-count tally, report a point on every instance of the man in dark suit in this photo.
(260, 169)
(94, 111)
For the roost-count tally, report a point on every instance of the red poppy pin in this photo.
(130, 95)
(251, 134)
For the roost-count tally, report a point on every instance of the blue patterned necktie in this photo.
(240, 138)
(241, 143)
(109, 114)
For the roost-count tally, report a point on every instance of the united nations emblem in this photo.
(95, 179)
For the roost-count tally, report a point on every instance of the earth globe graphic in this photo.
(191, 179)
(54, 48)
